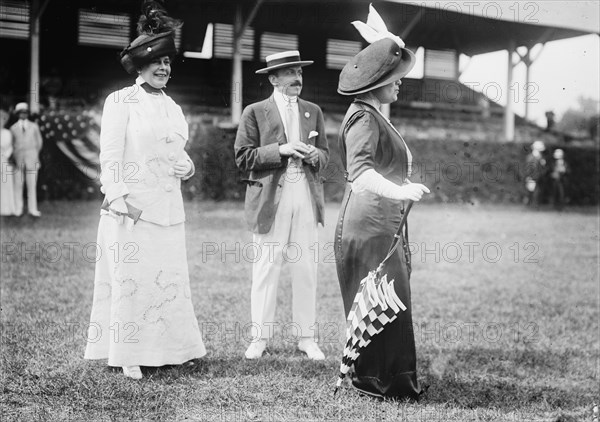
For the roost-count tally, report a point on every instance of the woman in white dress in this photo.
(7, 188)
(142, 313)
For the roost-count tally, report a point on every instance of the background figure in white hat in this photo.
(7, 188)
(27, 141)
(281, 143)
(535, 172)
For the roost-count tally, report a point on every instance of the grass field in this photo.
(506, 323)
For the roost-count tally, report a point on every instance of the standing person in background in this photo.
(559, 169)
(7, 187)
(378, 164)
(549, 120)
(27, 142)
(142, 312)
(281, 143)
(535, 173)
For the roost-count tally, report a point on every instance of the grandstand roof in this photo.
(482, 27)
(469, 27)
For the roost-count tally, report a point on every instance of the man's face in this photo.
(287, 80)
(22, 114)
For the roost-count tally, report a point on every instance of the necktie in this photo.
(293, 127)
(293, 132)
(23, 125)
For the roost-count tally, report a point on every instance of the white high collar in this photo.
(282, 99)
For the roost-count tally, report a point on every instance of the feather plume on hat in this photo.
(155, 20)
(375, 28)
(156, 37)
(385, 60)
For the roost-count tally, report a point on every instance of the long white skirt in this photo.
(7, 189)
(142, 312)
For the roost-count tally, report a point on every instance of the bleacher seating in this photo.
(426, 109)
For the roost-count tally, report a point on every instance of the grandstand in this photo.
(80, 42)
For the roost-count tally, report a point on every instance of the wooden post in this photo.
(509, 116)
(239, 27)
(34, 57)
(236, 75)
(35, 14)
(527, 61)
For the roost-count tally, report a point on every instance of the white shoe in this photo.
(256, 349)
(310, 347)
(35, 213)
(133, 372)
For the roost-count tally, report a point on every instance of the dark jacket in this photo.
(259, 135)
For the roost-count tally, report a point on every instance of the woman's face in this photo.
(157, 72)
(388, 93)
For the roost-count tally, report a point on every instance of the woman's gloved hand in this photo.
(182, 168)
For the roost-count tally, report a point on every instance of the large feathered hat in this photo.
(384, 61)
(156, 37)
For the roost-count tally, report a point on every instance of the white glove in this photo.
(182, 168)
(374, 182)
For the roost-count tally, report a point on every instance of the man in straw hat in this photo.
(27, 145)
(281, 144)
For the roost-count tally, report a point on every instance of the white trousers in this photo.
(292, 239)
(26, 174)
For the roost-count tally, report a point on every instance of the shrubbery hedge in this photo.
(455, 171)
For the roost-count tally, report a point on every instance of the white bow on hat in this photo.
(375, 29)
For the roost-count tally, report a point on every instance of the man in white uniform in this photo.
(27, 145)
(282, 147)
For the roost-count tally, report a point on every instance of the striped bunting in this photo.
(77, 135)
(375, 305)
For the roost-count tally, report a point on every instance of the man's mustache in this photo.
(298, 84)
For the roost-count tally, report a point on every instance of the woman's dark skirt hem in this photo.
(401, 387)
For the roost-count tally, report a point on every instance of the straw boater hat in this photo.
(538, 146)
(284, 59)
(21, 107)
(384, 61)
(156, 38)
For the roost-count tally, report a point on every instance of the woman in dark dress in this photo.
(377, 162)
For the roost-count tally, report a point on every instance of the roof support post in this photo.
(35, 14)
(509, 116)
(34, 57)
(527, 60)
(236, 74)
(239, 27)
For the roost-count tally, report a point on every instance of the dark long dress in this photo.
(365, 230)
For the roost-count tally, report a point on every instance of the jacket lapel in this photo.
(304, 117)
(273, 119)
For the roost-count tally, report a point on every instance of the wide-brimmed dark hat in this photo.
(377, 65)
(284, 59)
(146, 48)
